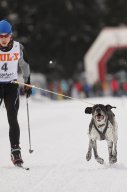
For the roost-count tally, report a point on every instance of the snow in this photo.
(60, 141)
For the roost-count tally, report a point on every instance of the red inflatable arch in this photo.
(107, 42)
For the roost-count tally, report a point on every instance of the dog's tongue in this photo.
(98, 116)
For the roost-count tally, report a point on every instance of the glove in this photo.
(27, 89)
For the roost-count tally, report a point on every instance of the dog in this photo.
(103, 126)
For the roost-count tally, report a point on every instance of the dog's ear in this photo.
(88, 110)
(109, 107)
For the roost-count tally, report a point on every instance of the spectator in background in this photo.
(115, 87)
(64, 87)
(106, 88)
(87, 89)
(97, 89)
(124, 87)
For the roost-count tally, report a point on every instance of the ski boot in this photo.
(16, 156)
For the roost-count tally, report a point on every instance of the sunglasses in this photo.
(4, 36)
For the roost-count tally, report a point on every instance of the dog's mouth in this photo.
(99, 117)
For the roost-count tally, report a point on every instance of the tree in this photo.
(116, 12)
(58, 30)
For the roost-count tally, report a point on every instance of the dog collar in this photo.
(101, 125)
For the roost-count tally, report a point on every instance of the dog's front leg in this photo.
(110, 149)
(115, 149)
(115, 135)
(112, 153)
(89, 153)
(98, 159)
(115, 152)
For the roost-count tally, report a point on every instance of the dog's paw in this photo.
(113, 160)
(88, 156)
(100, 160)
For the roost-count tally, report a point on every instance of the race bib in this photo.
(9, 63)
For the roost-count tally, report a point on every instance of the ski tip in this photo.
(27, 168)
(22, 167)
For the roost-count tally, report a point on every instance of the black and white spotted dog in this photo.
(102, 127)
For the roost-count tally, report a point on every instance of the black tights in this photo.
(10, 95)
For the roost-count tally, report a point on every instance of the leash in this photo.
(48, 91)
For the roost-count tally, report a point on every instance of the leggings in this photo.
(10, 94)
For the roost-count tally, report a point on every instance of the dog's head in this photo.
(99, 112)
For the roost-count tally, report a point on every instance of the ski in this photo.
(22, 167)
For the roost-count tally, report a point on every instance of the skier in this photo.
(12, 55)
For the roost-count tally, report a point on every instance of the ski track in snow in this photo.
(60, 142)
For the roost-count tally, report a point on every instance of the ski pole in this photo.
(30, 150)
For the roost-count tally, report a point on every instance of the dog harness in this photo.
(102, 134)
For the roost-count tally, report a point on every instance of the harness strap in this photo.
(102, 134)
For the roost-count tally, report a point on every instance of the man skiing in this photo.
(11, 56)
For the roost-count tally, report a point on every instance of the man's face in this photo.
(5, 39)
